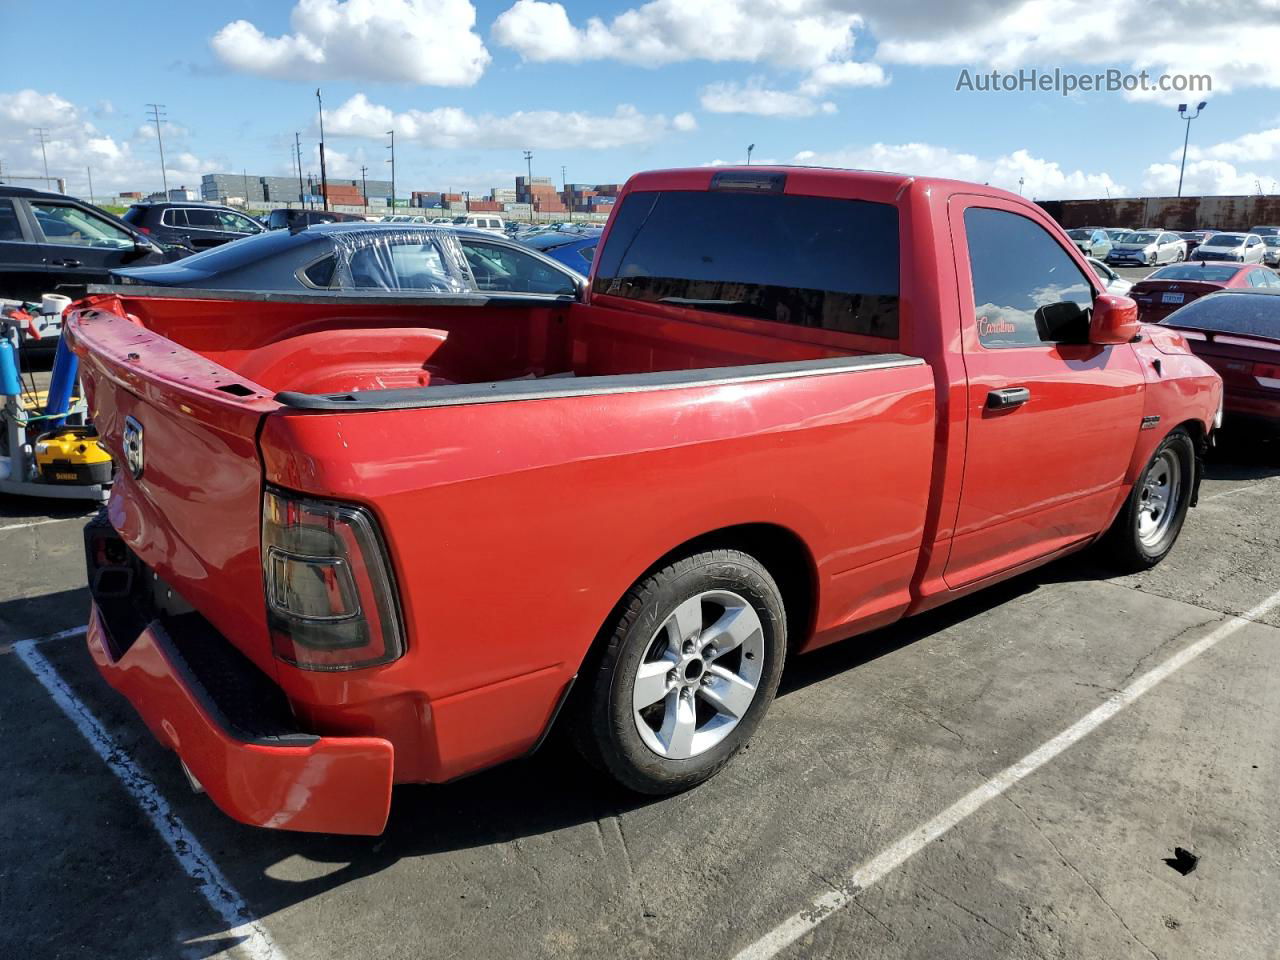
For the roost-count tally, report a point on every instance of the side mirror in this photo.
(1115, 319)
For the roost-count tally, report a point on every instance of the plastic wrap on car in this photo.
(370, 259)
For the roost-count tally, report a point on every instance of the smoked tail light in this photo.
(331, 595)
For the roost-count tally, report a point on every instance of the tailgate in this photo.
(187, 497)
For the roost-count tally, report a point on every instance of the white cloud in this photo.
(755, 98)
(453, 127)
(76, 143)
(1042, 179)
(429, 42)
(848, 73)
(1235, 42)
(684, 122)
(1237, 166)
(787, 33)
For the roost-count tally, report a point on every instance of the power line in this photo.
(158, 114)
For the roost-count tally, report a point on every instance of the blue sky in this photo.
(646, 84)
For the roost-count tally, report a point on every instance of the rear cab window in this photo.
(816, 262)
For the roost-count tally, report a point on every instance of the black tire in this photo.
(604, 725)
(1124, 547)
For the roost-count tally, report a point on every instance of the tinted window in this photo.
(10, 229)
(174, 217)
(135, 214)
(1026, 289)
(1251, 314)
(588, 253)
(1224, 240)
(320, 273)
(204, 219)
(65, 224)
(501, 269)
(236, 223)
(279, 219)
(808, 261)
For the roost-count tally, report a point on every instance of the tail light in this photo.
(331, 596)
(146, 230)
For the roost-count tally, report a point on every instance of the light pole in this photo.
(528, 182)
(324, 177)
(392, 161)
(157, 115)
(1021, 181)
(1182, 112)
(568, 197)
(89, 170)
(750, 147)
(364, 187)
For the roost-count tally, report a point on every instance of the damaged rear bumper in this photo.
(232, 729)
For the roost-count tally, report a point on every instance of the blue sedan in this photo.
(574, 250)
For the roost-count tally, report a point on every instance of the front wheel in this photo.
(1152, 516)
(691, 664)
(1181, 256)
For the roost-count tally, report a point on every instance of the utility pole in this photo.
(89, 170)
(528, 183)
(1021, 181)
(364, 187)
(157, 114)
(750, 147)
(1182, 112)
(568, 197)
(392, 161)
(324, 179)
(244, 173)
(42, 136)
(297, 146)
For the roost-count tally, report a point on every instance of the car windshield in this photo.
(1079, 234)
(1246, 314)
(1272, 241)
(1224, 240)
(1142, 238)
(1189, 236)
(1115, 234)
(1193, 271)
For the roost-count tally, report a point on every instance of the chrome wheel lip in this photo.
(1158, 497)
(682, 667)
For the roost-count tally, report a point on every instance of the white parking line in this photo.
(894, 856)
(186, 849)
(41, 522)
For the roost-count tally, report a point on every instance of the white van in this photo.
(489, 222)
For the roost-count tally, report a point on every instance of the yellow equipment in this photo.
(72, 455)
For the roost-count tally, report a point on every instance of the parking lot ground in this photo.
(868, 741)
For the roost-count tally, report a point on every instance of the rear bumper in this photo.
(273, 777)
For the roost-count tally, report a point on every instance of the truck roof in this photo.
(816, 181)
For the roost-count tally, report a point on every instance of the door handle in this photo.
(1007, 398)
(65, 263)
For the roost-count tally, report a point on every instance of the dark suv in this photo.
(282, 219)
(193, 226)
(54, 243)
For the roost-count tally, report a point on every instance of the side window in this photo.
(10, 228)
(320, 273)
(1026, 289)
(501, 270)
(587, 253)
(204, 219)
(1261, 278)
(235, 223)
(65, 224)
(174, 217)
(399, 266)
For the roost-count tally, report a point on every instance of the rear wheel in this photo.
(691, 664)
(1152, 517)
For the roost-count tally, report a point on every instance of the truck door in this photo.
(1052, 419)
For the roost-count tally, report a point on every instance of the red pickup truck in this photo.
(353, 543)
